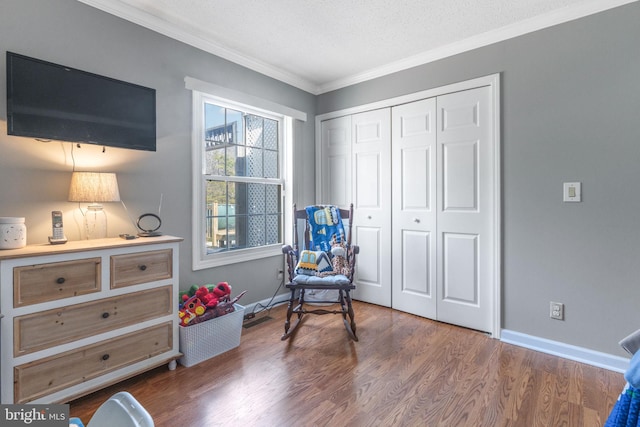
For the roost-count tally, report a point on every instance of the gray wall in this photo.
(34, 176)
(570, 112)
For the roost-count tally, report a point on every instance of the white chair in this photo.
(121, 410)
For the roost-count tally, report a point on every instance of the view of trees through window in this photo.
(242, 173)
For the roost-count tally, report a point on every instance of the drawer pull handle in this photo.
(105, 357)
(142, 267)
(105, 315)
(60, 280)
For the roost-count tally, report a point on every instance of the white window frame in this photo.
(201, 92)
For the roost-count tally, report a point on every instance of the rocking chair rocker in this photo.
(324, 265)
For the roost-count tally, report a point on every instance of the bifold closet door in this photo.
(443, 208)
(413, 206)
(423, 182)
(371, 174)
(466, 203)
(335, 185)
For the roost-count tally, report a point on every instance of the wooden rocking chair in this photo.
(308, 270)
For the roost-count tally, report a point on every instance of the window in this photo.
(239, 180)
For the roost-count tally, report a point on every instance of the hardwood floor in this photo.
(404, 371)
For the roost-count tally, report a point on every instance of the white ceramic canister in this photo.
(13, 232)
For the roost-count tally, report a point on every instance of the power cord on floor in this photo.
(268, 307)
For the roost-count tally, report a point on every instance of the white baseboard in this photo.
(567, 351)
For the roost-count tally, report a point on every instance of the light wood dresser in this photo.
(80, 316)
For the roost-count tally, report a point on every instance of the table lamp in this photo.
(94, 188)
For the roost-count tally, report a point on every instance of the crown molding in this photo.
(570, 13)
(505, 33)
(131, 14)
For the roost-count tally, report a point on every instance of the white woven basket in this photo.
(208, 339)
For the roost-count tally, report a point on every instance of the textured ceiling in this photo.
(320, 45)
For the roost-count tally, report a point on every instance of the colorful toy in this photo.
(192, 308)
(222, 291)
(338, 260)
(201, 303)
(223, 307)
(185, 295)
(208, 298)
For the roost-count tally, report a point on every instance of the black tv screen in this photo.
(50, 101)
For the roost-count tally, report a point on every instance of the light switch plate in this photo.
(572, 192)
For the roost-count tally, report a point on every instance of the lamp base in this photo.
(95, 222)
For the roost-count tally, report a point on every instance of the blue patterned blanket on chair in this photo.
(325, 223)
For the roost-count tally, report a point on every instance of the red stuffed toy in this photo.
(222, 291)
(209, 299)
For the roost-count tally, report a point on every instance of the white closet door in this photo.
(414, 232)
(371, 151)
(336, 164)
(466, 208)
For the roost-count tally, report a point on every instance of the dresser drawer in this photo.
(143, 267)
(42, 377)
(47, 282)
(49, 328)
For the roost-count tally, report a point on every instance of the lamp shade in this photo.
(94, 187)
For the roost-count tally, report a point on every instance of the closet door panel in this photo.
(460, 173)
(416, 179)
(460, 263)
(369, 238)
(339, 169)
(336, 165)
(466, 236)
(415, 272)
(371, 172)
(368, 187)
(413, 205)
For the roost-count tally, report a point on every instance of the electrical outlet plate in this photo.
(556, 310)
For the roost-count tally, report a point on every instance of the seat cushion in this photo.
(328, 281)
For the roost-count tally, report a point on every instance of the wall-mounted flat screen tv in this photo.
(54, 102)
